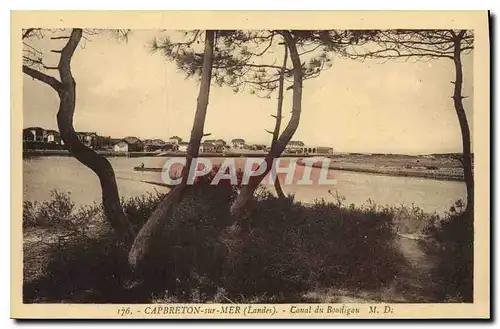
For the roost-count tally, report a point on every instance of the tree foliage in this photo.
(35, 56)
(419, 45)
(427, 45)
(249, 59)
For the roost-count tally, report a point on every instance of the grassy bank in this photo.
(325, 252)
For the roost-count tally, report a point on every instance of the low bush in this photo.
(84, 270)
(451, 244)
(290, 249)
(59, 214)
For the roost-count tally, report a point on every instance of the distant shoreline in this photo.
(400, 173)
(34, 153)
(440, 169)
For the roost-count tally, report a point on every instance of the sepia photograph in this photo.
(252, 172)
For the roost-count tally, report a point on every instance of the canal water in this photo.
(43, 174)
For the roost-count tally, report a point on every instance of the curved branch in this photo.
(27, 33)
(66, 89)
(385, 54)
(67, 54)
(310, 50)
(98, 164)
(246, 193)
(35, 74)
(268, 46)
(148, 235)
(31, 62)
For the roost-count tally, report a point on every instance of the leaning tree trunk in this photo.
(66, 89)
(464, 126)
(279, 116)
(246, 193)
(149, 233)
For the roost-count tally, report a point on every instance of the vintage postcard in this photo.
(250, 165)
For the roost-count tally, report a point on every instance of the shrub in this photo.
(81, 259)
(85, 270)
(138, 209)
(451, 244)
(59, 214)
(291, 248)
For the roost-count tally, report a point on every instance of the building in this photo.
(182, 147)
(89, 139)
(28, 135)
(324, 150)
(40, 135)
(309, 149)
(258, 147)
(113, 141)
(106, 142)
(219, 144)
(52, 136)
(295, 147)
(169, 147)
(238, 143)
(33, 134)
(175, 140)
(129, 144)
(156, 144)
(207, 147)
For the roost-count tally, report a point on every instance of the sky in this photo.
(125, 90)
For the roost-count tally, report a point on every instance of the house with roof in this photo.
(182, 147)
(105, 142)
(129, 144)
(207, 147)
(258, 147)
(27, 135)
(238, 143)
(89, 139)
(52, 136)
(33, 134)
(295, 144)
(314, 149)
(219, 144)
(295, 147)
(156, 144)
(324, 150)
